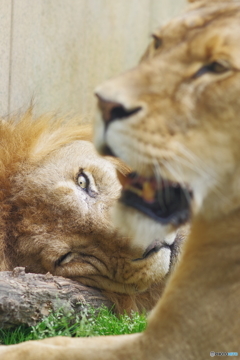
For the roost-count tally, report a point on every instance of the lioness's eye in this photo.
(215, 67)
(157, 42)
(83, 181)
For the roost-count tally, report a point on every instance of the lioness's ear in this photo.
(209, 1)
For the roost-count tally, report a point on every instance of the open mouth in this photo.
(164, 201)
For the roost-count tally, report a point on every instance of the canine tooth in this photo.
(122, 178)
(148, 191)
(133, 189)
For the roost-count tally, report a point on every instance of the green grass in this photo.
(91, 324)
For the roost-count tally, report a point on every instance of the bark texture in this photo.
(25, 298)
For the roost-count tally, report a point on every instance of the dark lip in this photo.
(107, 151)
(153, 248)
(171, 204)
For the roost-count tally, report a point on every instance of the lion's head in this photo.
(56, 195)
(174, 120)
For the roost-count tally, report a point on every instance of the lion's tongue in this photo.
(143, 187)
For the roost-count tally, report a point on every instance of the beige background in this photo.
(57, 51)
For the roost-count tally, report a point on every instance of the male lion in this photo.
(175, 120)
(55, 197)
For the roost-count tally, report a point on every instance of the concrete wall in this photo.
(57, 51)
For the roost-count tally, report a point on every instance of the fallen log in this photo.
(26, 298)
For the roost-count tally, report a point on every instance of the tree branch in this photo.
(25, 298)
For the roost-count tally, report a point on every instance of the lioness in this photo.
(175, 120)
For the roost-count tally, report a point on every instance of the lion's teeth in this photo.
(135, 190)
(148, 192)
(122, 178)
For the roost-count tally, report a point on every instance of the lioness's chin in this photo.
(141, 228)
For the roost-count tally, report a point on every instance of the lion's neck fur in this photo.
(205, 285)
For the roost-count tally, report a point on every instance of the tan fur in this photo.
(189, 125)
(44, 214)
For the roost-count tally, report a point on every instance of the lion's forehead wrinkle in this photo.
(66, 184)
(214, 45)
(194, 24)
(61, 172)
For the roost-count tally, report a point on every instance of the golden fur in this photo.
(50, 224)
(187, 86)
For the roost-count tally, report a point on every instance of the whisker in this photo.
(187, 194)
(157, 171)
(159, 179)
(197, 163)
(208, 175)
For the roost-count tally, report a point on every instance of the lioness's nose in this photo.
(113, 110)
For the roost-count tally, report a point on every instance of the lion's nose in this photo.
(114, 111)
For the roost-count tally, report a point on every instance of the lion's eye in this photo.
(157, 42)
(83, 181)
(216, 67)
(64, 259)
